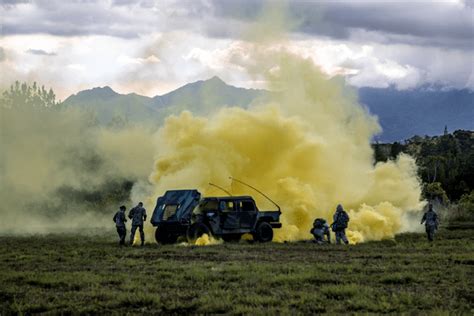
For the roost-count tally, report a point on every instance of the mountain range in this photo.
(401, 113)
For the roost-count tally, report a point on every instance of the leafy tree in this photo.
(379, 152)
(434, 191)
(445, 159)
(466, 203)
(25, 96)
(395, 149)
(431, 166)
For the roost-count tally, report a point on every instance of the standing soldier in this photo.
(321, 229)
(341, 219)
(137, 215)
(430, 218)
(119, 220)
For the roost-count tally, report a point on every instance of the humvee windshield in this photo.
(169, 211)
(226, 206)
(205, 206)
(247, 206)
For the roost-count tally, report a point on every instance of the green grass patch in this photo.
(64, 274)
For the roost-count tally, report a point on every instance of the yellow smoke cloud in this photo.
(309, 150)
(51, 159)
(206, 240)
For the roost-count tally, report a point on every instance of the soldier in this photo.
(319, 230)
(430, 218)
(138, 216)
(341, 219)
(119, 220)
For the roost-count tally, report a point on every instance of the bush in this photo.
(434, 191)
(466, 204)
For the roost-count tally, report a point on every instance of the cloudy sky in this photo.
(153, 46)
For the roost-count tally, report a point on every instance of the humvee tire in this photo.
(163, 237)
(197, 230)
(263, 233)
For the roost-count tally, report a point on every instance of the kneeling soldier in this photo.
(319, 230)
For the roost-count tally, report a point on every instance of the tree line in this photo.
(445, 164)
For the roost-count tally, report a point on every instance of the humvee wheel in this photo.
(263, 233)
(197, 230)
(163, 237)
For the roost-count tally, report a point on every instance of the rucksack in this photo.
(343, 220)
(319, 223)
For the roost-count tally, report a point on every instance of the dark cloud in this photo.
(432, 23)
(122, 18)
(123, 2)
(69, 18)
(435, 23)
(406, 29)
(13, 2)
(423, 22)
(40, 52)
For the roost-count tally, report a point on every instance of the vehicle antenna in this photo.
(234, 179)
(215, 185)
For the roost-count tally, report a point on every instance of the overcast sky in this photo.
(151, 47)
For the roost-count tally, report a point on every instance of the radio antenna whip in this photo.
(215, 185)
(234, 179)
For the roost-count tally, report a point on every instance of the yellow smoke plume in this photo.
(309, 149)
(206, 240)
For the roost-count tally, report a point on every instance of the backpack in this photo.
(319, 223)
(343, 220)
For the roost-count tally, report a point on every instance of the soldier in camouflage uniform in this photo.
(319, 230)
(119, 220)
(138, 216)
(341, 219)
(430, 218)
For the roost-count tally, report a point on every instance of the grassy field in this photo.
(77, 274)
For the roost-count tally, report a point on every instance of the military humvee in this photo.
(184, 213)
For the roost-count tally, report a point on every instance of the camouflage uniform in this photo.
(340, 224)
(319, 230)
(430, 218)
(119, 220)
(137, 215)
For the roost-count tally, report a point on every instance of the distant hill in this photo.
(405, 113)
(107, 104)
(401, 114)
(199, 97)
(205, 95)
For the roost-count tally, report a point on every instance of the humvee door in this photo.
(229, 215)
(248, 213)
